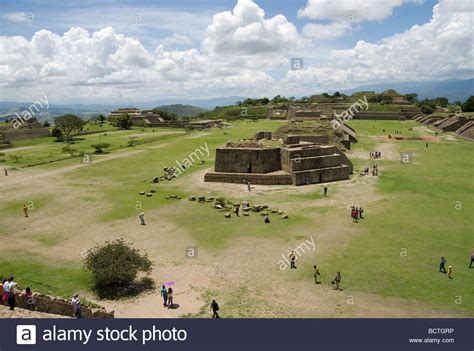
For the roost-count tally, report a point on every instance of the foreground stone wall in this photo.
(54, 305)
(247, 160)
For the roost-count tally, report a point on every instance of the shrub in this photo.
(115, 265)
(15, 158)
(68, 150)
(99, 148)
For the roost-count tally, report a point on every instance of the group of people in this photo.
(336, 281)
(356, 214)
(167, 295)
(7, 288)
(375, 154)
(449, 271)
(375, 170)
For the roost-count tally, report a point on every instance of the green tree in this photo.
(57, 133)
(441, 101)
(69, 124)
(413, 97)
(122, 122)
(116, 264)
(468, 105)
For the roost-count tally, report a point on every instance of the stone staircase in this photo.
(313, 163)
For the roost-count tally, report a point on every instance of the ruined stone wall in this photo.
(316, 162)
(263, 135)
(25, 133)
(247, 160)
(243, 178)
(54, 305)
(321, 175)
(317, 139)
(386, 116)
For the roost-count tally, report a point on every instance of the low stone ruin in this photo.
(60, 306)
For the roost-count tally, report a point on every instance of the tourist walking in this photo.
(164, 295)
(472, 259)
(8, 289)
(316, 275)
(170, 298)
(142, 218)
(249, 186)
(25, 211)
(450, 272)
(354, 215)
(442, 262)
(6, 171)
(337, 280)
(292, 258)
(214, 308)
(236, 210)
(361, 211)
(266, 218)
(325, 191)
(76, 304)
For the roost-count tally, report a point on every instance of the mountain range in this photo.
(453, 89)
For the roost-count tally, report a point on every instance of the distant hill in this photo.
(453, 89)
(182, 110)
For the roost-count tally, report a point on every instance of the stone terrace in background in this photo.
(29, 130)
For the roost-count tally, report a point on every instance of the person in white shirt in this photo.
(76, 304)
(8, 288)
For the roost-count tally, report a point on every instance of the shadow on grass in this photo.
(116, 292)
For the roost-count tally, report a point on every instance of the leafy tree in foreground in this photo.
(69, 124)
(115, 265)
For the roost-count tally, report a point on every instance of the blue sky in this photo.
(139, 49)
(59, 16)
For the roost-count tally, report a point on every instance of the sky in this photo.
(106, 51)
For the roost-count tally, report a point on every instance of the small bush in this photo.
(99, 148)
(115, 266)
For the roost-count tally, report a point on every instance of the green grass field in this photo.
(426, 212)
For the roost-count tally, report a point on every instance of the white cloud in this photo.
(439, 49)
(176, 39)
(330, 31)
(242, 53)
(343, 13)
(18, 16)
(351, 10)
(245, 31)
